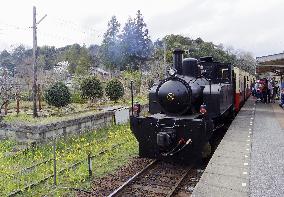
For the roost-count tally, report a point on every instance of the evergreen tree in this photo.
(78, 57)
(91, 88)
(114, 90)
(111, 45)
(196, 48)
(58, 95)
(84, 61)
(136, 44)
(46, 57)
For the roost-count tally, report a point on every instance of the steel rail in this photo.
(174, 189)
(130, 180)
(127, 183)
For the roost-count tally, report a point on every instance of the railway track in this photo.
(157, 178)
(160, 179)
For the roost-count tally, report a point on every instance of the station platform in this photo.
(249, 160)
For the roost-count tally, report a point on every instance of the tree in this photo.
(46, 57)
(78, 57)
(114, 90)
(7, 85)
(196, 48)
(6, 61)
(111, 53)
(6, 88)
(132, 75)
(18, 54)
(94, 51)
(136, 45)
(58, 95)
(172, 42)
(84, 62)
(245, 61)
(91, 88)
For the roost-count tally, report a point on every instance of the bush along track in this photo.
(30, 173)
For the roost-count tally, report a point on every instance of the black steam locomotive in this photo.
(185, 109)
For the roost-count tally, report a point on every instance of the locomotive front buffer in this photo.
(172, 138)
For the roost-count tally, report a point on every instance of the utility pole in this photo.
(6, 90)
(165, 57)
(34, 61)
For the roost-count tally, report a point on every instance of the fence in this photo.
(60, 159)
(50, 162)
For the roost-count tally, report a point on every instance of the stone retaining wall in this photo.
(43, 132)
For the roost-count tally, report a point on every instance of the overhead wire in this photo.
(88, 35)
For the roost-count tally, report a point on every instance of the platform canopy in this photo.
(271, 63)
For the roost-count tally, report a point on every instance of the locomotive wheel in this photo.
(206, 151)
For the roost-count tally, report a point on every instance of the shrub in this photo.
(150, 83)
(134, 76)
(26, 96)
(91, 88)
(114, 90)
(77, 98)
(58, 95)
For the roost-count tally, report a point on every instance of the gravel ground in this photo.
(105, 185)
(267, 157)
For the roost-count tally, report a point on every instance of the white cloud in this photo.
(252, 25)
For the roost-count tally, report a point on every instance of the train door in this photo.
(244, 90)
(247, 86)
(237, 88)
(234, 88)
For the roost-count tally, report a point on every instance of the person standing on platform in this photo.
(274, 91)
(252, 88)
(264, 91)
(282, 95)
(259, 90)
(269, 90)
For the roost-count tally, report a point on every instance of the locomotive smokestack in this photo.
(178, 56)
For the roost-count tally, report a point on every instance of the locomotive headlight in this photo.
(203, 109)
(137, 109)
(172, 72)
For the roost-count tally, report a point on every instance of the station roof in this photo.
(271, 63)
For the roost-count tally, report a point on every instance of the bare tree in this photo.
(6, 89)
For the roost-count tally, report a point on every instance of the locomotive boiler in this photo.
(185, 109)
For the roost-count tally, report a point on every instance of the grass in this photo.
(24, 118)
(72, 111)
(68, 152)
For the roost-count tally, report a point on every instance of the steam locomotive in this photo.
(185, 109)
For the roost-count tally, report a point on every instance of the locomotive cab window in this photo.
(225, 74)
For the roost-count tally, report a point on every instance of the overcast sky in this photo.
(250, 25)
